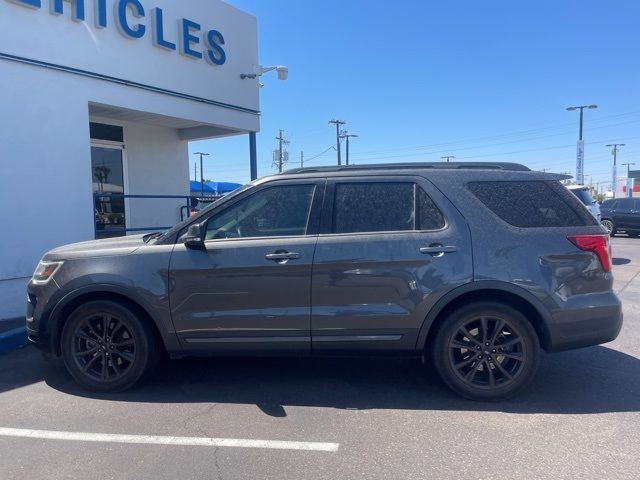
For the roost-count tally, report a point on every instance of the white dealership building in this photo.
(98, 101)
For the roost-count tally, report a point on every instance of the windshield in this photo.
(584, 196)
(203, 211)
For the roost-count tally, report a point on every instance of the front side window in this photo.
(278, 211)
(383, 207)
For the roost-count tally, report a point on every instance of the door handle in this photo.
(438, 250)
(282, 256)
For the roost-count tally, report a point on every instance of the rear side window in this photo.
(532, 204)
(584, 196)
(384, 207)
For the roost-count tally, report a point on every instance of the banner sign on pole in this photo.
(580, 163)
(630, 182)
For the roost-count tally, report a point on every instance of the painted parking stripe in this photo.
(167, 440)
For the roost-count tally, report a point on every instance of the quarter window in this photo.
(274, 212)
(383, 207)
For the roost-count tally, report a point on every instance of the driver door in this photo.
(249, 289)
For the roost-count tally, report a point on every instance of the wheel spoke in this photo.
(515, 355)
(105, 370)
(124, 343)
(492, 378)
(84, 353)
(509, 343)
(84, 336)
(456, 344)
(503, 370)
(472, 373)
(484, 328)
(464, 363)
(126, 355)
(105, 326)
(497, 331)
(473, 339)
(88, 365)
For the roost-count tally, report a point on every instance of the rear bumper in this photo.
(600, 322)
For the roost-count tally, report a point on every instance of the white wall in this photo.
(45, 162)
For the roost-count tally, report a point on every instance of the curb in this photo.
(13, 339)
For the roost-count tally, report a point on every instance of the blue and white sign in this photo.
(193, 40)
(580, 163)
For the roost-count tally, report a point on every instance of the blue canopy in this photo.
(222, 187)
(197, 187)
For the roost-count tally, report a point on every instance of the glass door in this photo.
(108, 179)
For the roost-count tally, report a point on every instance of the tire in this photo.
(608, 226)
(110, 361)
(634, 234)
(479, 372)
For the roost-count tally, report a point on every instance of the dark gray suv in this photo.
(475, 266)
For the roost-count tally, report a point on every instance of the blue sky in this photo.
(417, 80)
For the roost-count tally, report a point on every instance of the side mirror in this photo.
(194, 238)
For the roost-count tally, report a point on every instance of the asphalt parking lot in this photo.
(331, 418)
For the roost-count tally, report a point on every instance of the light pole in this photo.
(628, 165)
(347, 136)
(201, 172)
(614, 151)
(580, 151)
(448, 158)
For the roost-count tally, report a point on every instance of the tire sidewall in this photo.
(142, 355)
(450, 326)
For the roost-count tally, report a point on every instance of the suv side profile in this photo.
(477, 267)
(621, 214)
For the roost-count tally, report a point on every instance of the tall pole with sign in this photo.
(580, 150)
(614, 151)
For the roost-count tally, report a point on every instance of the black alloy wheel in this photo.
(107, 347)
(104, 347)
(486, 351)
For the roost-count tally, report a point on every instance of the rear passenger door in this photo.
(388, 249)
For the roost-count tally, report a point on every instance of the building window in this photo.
(110, 133)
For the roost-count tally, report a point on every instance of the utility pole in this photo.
(580, 152)
(280, 161)
(301, 159)
(545, 170)
(614, 151)
(447, 158)
(201, 172)
(348, 136)
(337, 124)
(195, 172)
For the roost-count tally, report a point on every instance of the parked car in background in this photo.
(476, 266)
(621, 215)
(585, 197)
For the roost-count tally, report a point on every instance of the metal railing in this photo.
(110, 212)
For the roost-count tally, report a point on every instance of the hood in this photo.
(97, 248)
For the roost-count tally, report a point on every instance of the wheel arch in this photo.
(504, 292)
(73, 300)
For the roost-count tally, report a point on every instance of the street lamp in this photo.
(201, 172)
(580, 151)
(259, 70)
(614, 151)
(347, 136)
(628, 165)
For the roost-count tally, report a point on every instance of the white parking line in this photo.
(166, 440)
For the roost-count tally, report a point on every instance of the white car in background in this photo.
(585, 197)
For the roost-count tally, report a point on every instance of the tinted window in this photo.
(624, 203)
(276, 211)
(533, 204)
(102, 131)
(383, 207)
(584, 196)
(609, 204)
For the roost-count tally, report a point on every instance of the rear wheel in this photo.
(106, 346)
(608, 226)
(634, 234)
(486, 351)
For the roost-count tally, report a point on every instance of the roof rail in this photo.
(415, 166)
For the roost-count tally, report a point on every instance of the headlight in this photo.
(45, 272)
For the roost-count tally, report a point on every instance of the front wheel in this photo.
(486, 351)
(106, 347)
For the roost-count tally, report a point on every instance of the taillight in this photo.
(598, 244)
